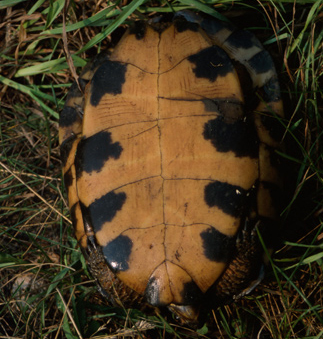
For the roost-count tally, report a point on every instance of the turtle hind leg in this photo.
(244, 272)
(110, 286)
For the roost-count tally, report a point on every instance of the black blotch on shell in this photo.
(103, 210)
(117, 253)
(243, 39)
(182, 25)
(138, 29)
(261, 62)
(273, 126)
(270, 92)
(65, 149)
(68, 178)
(93, 152)
(108, 79)
(74, 91)
(217, 246)
(229, 198)
(240, 137)
(98, 60)
(69, 116)
(210, 63)
(213, 26)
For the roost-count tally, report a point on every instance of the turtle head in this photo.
(186, 314)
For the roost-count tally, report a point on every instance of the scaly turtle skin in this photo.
(170, 164)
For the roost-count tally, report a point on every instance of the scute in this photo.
(169, 170)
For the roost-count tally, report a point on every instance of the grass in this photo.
(46, 290)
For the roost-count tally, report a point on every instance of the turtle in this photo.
(169, 148)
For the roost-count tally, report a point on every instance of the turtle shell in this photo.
(168, 146)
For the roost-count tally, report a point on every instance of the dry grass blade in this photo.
(66, 50)
(68, 312)
(35, 193)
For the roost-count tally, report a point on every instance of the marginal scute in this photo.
(261, 62)
(68, 117)
(270, 162)
(68, 178)
(183, 25)
(268, 199)
(73, 125)
(270, 92)
(66, 149)
(75, 94)
(71, 189)
(77, 219)
(243, 39)
(215, 28)
(273, 125)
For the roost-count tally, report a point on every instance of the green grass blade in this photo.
(10, 3)
(126, 11)
(32, 93)
(93, 20)
(52, 66)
